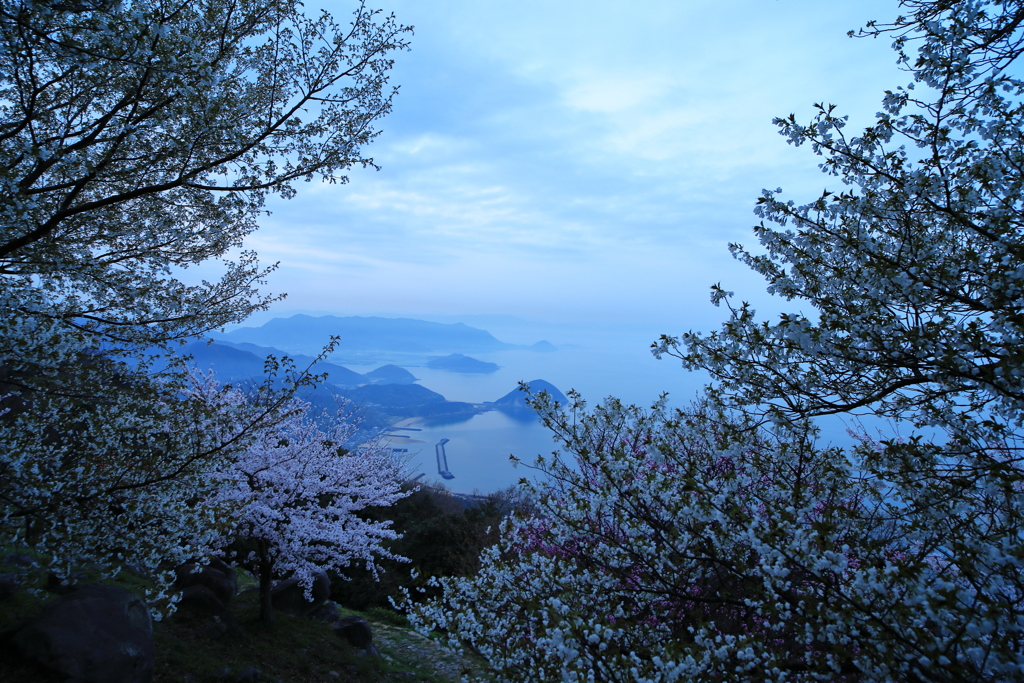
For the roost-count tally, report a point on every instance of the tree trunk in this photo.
(266, 569)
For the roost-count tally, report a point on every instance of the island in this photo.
(457, 362)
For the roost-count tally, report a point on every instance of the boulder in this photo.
(326, 612)
(289, 595)
(356, 631)
(96, 634)
(20, 560)
(202, 600)
(9, 585)
(218, 576)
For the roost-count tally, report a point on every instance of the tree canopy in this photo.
(138, 139)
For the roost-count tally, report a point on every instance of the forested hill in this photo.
(308, 334)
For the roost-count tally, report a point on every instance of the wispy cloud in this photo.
(575, 156)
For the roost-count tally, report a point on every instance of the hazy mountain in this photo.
(457, 362)
(390, 374)
(516, 399)
(228, 362)
(393, 396)
(245, 361)
(306, 334)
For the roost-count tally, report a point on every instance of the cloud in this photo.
(575, 156)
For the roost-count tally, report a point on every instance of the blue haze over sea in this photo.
(596, 362)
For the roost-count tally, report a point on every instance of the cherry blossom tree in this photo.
(138, 139)
(298, 489)
(670, 546)
(129, 477)
(720, 542)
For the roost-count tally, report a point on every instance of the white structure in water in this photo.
(442, 460)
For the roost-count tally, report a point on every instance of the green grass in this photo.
(292, 649)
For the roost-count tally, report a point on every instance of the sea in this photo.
(494, 450)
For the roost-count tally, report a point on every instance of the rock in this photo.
(96, 634)
(356, 631)
(20, 560)
(289, 596)
(218, 576)
(201, 599)
(326, 612)
(9, 585)
(249, 675)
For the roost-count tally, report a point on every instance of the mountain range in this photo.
(359, 336)
(382, 395)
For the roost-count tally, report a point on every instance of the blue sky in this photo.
(581, 161)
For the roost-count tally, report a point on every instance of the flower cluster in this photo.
(297, 490)
(679, 546)
(137, 139)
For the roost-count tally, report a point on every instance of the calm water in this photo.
(478, 449)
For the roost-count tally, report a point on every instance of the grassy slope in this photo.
(293, 650)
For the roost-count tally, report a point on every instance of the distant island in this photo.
(515, 400)
(457, 362)
(362, 339)
(308, 334)
(390, 374)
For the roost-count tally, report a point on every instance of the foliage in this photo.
(673, 546)
(914, 272)
(105, 466)
(138, 139)
(298, 491)
(441, 535)
(720, 543)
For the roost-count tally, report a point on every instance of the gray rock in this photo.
(356, 631)
(96, 634)
(218, 576)
(249, 675)
(289, 596)
(326, 612)
(202, 600)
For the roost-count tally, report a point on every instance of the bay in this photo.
(478, 449)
